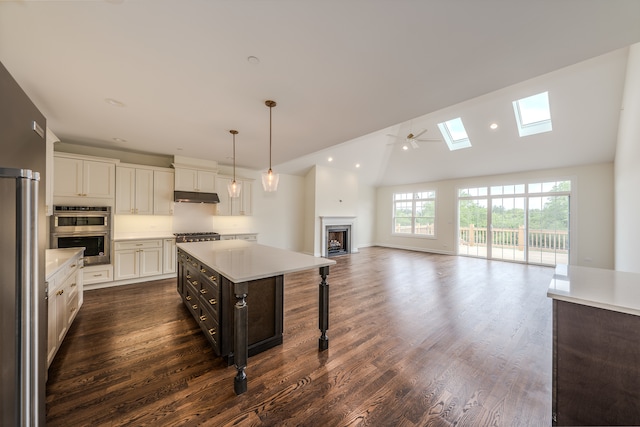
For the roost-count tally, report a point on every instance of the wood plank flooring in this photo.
(416, 339)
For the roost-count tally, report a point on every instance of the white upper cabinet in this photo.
(134, 191)
(143, 190)
(234, 206)
(187, 179)
(163, 184)
(78, 178)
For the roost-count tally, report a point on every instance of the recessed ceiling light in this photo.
(405, 147)
(357, 165)
(114, 102)
(178, 149)
(330, 159)
(253, 60)
(493, 126)
(119, 140)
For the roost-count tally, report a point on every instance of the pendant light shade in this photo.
(234, 187)
(270, 179)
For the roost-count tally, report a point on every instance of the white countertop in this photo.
(241, 261)
(609, 289)
(57, 258)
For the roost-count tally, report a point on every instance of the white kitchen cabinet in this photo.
(163, 185)
(137, 258)
(187, 179)
(64, 299)
(79, 178)
(169, 256)
(234, 206)
(97, 274)
(134, 191)
(250, 237)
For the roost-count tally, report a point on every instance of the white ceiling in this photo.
(345, 73)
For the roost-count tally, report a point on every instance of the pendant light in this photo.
(270, 179)
(234, 187)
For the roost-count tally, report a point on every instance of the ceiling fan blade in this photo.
(414, 144)
(418, 134)
(427, 140)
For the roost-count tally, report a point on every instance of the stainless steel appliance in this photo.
(83, 226)
(23, 239)
(205, 236)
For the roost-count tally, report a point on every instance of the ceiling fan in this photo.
(411, 140)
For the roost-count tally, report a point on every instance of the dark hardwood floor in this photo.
(416, 339)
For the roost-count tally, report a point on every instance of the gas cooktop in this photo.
(203, 236)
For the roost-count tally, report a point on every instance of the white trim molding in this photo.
(337, 221)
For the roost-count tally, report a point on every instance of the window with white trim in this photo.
(414, 214)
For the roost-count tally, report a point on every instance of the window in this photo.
(414, 214)
(533, 114)
(454, 134)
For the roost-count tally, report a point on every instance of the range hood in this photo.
(195, 197)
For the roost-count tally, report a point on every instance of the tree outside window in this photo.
(415, 213)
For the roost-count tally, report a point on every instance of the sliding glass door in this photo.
(523, 223)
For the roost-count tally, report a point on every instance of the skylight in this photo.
(454, 134)
(533, 114)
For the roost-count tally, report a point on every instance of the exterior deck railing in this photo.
(555, 240)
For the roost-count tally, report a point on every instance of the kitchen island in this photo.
(217, 279)
(596, 346)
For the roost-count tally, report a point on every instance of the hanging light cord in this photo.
(270, 104)
(234, 132)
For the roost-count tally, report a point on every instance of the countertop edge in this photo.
(64, 257)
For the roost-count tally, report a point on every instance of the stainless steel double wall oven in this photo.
(83, 226)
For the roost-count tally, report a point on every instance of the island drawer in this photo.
(209, 325)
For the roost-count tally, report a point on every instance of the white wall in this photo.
(592, 213)
(627, 170)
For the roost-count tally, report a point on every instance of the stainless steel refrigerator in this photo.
(23, 308)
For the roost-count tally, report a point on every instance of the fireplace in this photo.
(337, 235)
(338, 241)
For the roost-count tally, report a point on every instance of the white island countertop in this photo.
(242, 261)
(55, 259)
(609, 289)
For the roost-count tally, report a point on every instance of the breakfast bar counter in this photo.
(596, 346)
(217, 279)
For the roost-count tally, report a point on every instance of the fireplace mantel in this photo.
(336, 221)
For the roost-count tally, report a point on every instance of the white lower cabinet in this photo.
(138, 258)
(97, 274)
(169, 256)
(250, 237)
(64, 298)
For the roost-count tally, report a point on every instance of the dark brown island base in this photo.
(234, 290)
(596, 347)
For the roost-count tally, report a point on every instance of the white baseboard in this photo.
(129, 281)
(413, 248)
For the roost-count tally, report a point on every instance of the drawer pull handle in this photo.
(203, 318)
(203, 291)
(97, 275)
(73, 266)
(213, 301)
(73, 284)
(188, 298)
(194, 306)
(212, 331)
(188, 276)
(60, 292)
(72, 309)
(194, 283)
(213, 278)
(138, 244)
(202, 270)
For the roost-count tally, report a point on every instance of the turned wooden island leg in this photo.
(323, 315)
(240, 336)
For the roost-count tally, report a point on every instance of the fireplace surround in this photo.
(337, 235)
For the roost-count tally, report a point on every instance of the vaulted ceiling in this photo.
(345, 75)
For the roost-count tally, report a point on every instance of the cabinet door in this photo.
(169, 255)
(61, 314)
(206, 182)
(144, 192)
(150, 261)
(52, 332)
(163, 183)
(126, 264)
(186, 179)
(125, 190)
(67, 177)
(224, 207)
(99, 179)
(246, 198)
